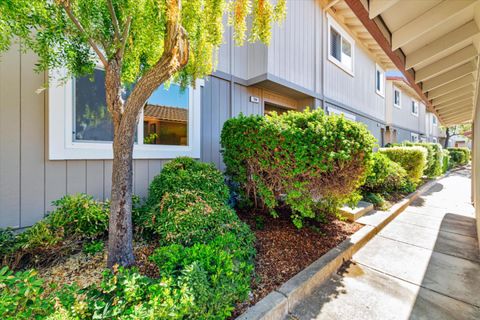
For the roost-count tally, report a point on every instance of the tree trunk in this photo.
(120, 233)
(447, 137)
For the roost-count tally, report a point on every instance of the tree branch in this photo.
(116, 26)
(80, 28)
(126, 30)
(174, 58)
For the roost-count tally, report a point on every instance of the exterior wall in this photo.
(29, 182)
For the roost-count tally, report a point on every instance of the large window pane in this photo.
(165, 120)
(92, 121)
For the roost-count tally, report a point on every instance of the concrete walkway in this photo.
(425, 264)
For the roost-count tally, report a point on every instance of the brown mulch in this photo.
(283, 250)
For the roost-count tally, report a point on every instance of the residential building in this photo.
(406, 115)
(57, 141)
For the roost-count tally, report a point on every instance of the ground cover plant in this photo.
(307, 160)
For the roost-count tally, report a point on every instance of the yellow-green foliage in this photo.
(306, 159)
(412, 159)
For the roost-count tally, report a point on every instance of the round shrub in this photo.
(186, 218)
(459, 156)
(412, 159)
(188, 174)
(385, 175)
(306, 159)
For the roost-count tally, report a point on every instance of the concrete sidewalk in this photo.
(425, 264)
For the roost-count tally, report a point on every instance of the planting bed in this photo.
(283, 250)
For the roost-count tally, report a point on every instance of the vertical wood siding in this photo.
(29, 182)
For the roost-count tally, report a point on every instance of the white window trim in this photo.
(418, 106)
(60, 139)
(380, 92)
(434, 123)
(338, 112)
(414, 135)
(399, 105)
(344, 34)
(434, 140)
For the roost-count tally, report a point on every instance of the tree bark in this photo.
(125, 118)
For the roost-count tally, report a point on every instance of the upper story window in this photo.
(379, 81)
(397, 97)
(414, 107)
(340, 46)
(80, 125)
(434, 119)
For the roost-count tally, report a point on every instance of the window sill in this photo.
(380, 93)
(397, 106)
(340, 65)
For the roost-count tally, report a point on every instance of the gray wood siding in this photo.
(357, 91)
(294, 53)
(29, 182)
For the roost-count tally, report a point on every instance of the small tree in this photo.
(140, 42)
(453, 131)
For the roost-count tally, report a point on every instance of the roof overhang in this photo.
(434, 44)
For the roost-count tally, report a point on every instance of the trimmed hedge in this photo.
(459, 156)
(434, 157)
(412, 159)
(185, 173)
(446, 161)
(305, 159)
(385, 176)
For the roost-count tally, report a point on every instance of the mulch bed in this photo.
(283, 250)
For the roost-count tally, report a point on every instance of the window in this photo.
(269, 108)
(397, 98)
(415, 108)
(379, 81)
(414, 137)
(341, 46)
(80, 126)
(434, 120)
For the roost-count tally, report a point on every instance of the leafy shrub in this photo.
(412, 159)
(305, 159)
(77, 217)
(217, 273)
(445, 161)
(376, 199)
(434, 158)
(93, 247)
(186, 218)
(8, 241)
(385, 175)
(188, 174)
(459, 156)
(21, 295)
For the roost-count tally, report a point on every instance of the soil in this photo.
(284, 250)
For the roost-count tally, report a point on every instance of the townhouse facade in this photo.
(57, 141)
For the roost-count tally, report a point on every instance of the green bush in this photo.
(188, 174)
(77, 217)
(459, 156)
(434, 157)
(305, 159)
(21, 295)
(186, 218)
(218, 273)
(445, 161)
(412, 159)
(385, 176)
